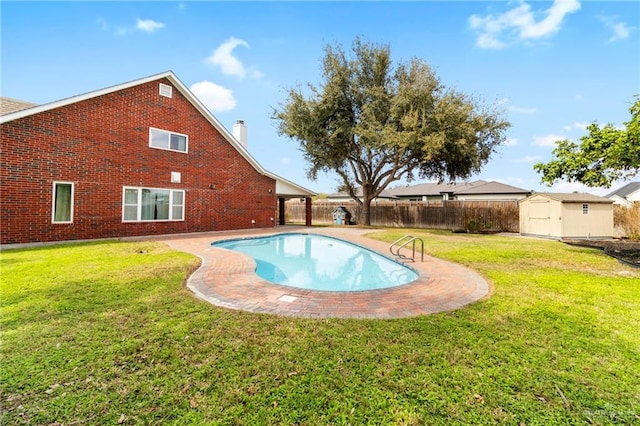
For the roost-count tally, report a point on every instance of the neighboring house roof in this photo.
(285, 185)
(478, 187)
(343, 194)
(625, 191)
(433, 188)
(572, 198)
(492, 188)
(9, 105)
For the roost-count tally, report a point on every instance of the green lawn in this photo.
(106, 333)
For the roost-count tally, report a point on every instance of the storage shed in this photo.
(566, 216)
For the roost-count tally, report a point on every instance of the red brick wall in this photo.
(102, 144)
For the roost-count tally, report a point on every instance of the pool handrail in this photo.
(404, 241)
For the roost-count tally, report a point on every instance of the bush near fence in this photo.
(627, 220)
(464, 216)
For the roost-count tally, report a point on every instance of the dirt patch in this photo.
(626, 251)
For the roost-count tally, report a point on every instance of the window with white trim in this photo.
(152, 204)
(585, 208)
(62, 207)
(171, 141)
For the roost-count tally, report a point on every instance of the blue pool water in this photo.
(316, 262)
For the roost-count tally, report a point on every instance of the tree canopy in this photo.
(373, 123)
(603, 156)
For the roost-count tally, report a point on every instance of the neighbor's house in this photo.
(344, 197)
(141, 158)
(8, 105)
(627, 195)
(566, 216)
(479, 190)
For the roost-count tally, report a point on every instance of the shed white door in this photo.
(540, 217)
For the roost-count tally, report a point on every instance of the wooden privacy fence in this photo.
(471, 216)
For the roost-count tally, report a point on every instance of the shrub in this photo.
(627, 219)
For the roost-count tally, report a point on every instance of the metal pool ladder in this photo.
(403, 242)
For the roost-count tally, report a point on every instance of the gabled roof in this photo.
(343, 194)
(492, 188)
(625, 191)
(169, 75)
(572, 197)
(433, 188)
(9, 105)
(458, 188)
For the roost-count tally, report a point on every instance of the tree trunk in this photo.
(365, 215)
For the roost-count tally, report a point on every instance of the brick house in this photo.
(141, 158)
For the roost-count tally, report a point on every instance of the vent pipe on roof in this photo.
(240, 133)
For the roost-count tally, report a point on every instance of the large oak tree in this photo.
(373, 123)
(606, 154)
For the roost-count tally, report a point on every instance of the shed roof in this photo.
(571, 197)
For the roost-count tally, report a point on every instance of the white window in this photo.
(62, 207)
(152, 204)
(585, 208)
(171, 141)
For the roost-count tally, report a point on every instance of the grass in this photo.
(106, 333)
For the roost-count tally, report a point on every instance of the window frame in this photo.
(138, 205)
(54, 204)
(165, 90)
(170, 133)
(585, 208)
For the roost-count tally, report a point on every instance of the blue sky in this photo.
(553, 67)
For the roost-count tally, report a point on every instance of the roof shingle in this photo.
(9, 105)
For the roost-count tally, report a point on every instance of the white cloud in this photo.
(621, 30)
(523, 110)
(229, 64)
(216, 98)
(511, 142)
(148, 25)
(528, 159)
(578, 125)
(519, 23)
(547, 140)
(285, 161)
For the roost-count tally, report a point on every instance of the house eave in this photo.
(169, 75)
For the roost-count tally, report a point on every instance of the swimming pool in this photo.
(317, 262)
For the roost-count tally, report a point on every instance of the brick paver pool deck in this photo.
(228, 279)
